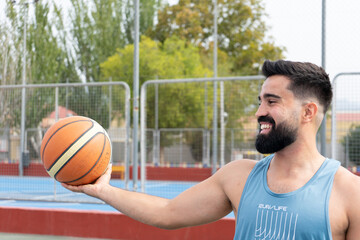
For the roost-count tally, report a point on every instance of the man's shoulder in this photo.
(232, 178)
(241, 165)
(246, 163)
(346, 180)
(237, 170)
(347, 186)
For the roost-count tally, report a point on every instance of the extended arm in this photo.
(352, 198)
(203, 203)
(343, 209)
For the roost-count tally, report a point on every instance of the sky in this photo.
(296, 25)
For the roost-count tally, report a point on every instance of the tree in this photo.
(148, 10)
(9, 72)
(90, 34)
(49, 63)
(45, 59)
(241, 30)
(96, 32)
(180, 105)
(173, 59)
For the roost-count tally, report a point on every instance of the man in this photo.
(295, 193)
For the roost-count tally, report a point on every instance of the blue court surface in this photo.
(44, 192)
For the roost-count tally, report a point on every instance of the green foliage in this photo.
(181, 104)
(185, 49)
(49, 63)
(173, 59)
(46, 61)
(241, 31)
(351, 144)
(11, 45)
(97, 32)
(46, 57)
(148, 11)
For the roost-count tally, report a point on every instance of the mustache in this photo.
(266, 119)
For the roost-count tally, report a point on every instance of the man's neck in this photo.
(292, 168)
(297, 157)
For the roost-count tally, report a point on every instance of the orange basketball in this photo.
(76, 150)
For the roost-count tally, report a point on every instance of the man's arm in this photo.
(352, 197)
(344, 210)
(200, 204)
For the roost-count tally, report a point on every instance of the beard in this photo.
(280, 136)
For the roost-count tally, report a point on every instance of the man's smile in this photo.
(266, 124)
(265, 127)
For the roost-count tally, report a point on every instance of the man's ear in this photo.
(310, 112)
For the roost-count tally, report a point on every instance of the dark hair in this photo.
(307, 79)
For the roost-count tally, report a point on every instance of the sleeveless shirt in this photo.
(300, 214)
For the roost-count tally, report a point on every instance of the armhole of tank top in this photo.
(248, 180)
(327, 203)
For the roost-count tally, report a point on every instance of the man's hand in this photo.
(92, 189)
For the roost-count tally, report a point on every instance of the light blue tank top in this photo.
(301, 214)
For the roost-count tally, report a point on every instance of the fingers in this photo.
(92, 189)
(108, 170)
(72, 188)
(105, 178)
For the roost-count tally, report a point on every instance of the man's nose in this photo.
(261, 111)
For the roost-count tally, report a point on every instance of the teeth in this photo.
(265, 126)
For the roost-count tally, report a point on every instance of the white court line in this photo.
(4, 202)
(58, 195)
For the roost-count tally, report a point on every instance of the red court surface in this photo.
(101, 224)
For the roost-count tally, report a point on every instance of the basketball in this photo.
(76, 150)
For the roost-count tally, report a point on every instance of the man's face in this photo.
(277, 116)
(281, 136)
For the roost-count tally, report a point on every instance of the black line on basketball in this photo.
(97, 161)
(70, 145)
(76, 153)
(42, 154)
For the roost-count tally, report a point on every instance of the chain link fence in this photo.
(345, 139)
(179, 118)
(22, 173)
(178, 121)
